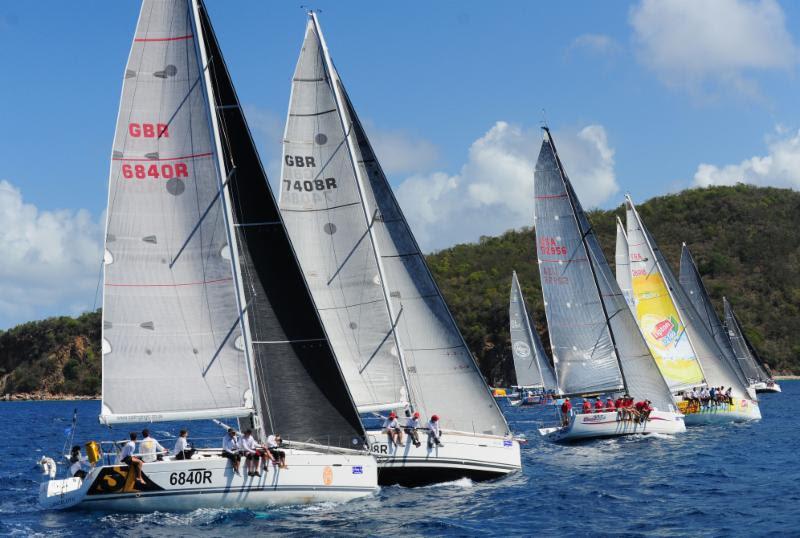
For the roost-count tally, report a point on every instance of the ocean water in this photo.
(733, 480)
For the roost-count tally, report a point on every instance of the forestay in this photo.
(302, 393)
(681, 326)
(321, 206)
(530, 361)
(169, 305)
(622, 266)
(741, 347)
(441, 373)
(692, 284)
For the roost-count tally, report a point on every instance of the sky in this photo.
(646, 97)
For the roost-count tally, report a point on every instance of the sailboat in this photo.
(692, 284)
(393, 335)
(622, 266)
(597, 347)
(533, 369)
(206, 313)
(762, 381)
(685, 351)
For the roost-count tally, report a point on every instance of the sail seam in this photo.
(299, 340)
(198, 283)
(180, 158)
(320, 209)
(295, 115)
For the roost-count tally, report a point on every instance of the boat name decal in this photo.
(358, 469)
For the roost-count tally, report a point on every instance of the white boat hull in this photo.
(208, 481)
(608, 424)
(463, 455)
(766, 387)
(741, 411)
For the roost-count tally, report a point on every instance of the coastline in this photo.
(45, 396)
(786, 377)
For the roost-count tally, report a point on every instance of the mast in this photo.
(588, 255)
(646, 237)
(368, 214)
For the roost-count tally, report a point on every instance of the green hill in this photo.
(745, 240)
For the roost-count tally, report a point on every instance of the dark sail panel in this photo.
(303, 395)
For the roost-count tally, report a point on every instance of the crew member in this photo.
(248, 448)
(230, 449)
(434, 432)
(151, 449)
(183, 451)
(411, 429)
(127, 457)
(392, 428)
(598, 405)
(79, 463)
(566, 409)
(274, 443)
(587, 407)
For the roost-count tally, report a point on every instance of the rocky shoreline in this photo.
(41, 396)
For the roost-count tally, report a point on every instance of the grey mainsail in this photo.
(622, 266)
(170, 316)
(741, 347)
(693, 285)
(530, 361)
(698, 358)
(438, 372)
(206, 311)
(592, 331)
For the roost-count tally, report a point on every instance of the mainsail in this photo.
(741, 347)
(192, 327)
(622, 266)
(684, 349)
(530, 361)
(393, 335)
(594, 337)
(692, 284)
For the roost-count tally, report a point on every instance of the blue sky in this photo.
(643, 97)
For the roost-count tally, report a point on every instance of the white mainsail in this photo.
(592, 331)
(364, 265)
(530, 361)
(622, 266)
(684, 349)
(172, 342)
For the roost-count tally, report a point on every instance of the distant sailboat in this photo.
(761, 380)
(685, 351)
(622, 266)
(597, 347)
(531, 364)
(391, 330)
(205, 311)
(692, 284)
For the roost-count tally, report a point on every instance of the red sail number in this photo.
(154, 171)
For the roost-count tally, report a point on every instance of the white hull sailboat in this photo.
(597, 347)
(393, 335)
(208, 481)
(757, 373)
(685, 349)
(206, 313)
(766, 386)
(611, 424)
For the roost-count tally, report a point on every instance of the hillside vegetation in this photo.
(745, 240)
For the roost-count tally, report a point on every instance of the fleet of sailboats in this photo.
(315, 314)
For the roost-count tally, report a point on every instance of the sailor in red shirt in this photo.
(587, 407)
(643, 409)
(566, 407)
(610, 405)
(598, 406)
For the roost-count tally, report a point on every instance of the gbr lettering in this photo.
(148, 130)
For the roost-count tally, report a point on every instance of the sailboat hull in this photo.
(462, 455)
(740, 411)
(762, 387)
(608, 424)
(208, 481)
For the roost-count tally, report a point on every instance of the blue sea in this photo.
(734, 480)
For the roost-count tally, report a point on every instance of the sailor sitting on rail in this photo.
(434, 432)
(392, 428)
(230, 449)
(151, 449)
(249, 449)
(274, 442)
(127, 457)
(411, 429)
(182, 450)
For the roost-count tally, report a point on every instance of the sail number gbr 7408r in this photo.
(307, 185)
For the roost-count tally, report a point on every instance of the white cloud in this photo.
(493, 192)
(50, 259)
(596, 43)
(780, 167)
(700, 45)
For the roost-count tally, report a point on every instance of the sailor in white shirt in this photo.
(230, 449)
(127, 457)
(411, 428)
(182, 449)
(274, 442)
(251, 452)
(434, 432)
(79, 463)
(150, 449)
(392, 428)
